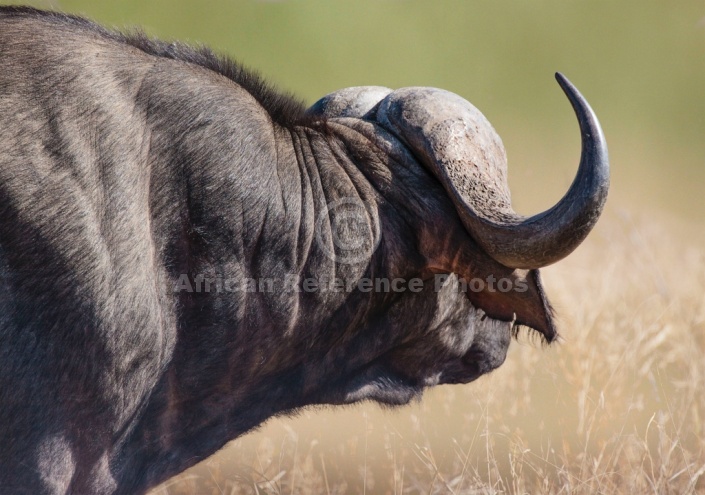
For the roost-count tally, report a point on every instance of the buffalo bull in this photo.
(185, 252)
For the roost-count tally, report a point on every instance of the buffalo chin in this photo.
(386, 389)
(487, 352)
(380, 381)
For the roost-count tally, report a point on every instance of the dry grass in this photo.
(617, 407)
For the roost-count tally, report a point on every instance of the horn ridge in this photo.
(459, 146)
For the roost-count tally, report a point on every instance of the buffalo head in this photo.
(466, 232)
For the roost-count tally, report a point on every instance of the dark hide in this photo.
(132, 170)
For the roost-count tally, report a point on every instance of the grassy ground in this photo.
(616, 407)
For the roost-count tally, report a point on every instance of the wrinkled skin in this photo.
(120, 171)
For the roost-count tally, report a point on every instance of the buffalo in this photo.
(186, 252)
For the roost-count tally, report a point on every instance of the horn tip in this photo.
(565, 83)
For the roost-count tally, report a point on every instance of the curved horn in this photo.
(349, 102)
(460, 147)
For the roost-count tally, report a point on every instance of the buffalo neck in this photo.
(245, 346)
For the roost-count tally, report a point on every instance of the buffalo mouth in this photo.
(486, 353)
(396, 378)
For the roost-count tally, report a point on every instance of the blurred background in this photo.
(642, 67)
(640, 64)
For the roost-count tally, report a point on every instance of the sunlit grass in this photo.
(616, 407)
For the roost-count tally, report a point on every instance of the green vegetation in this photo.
(641, 65)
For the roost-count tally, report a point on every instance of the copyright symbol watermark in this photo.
(346, 231)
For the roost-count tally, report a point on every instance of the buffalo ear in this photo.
(349, 102)
(525, 304)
